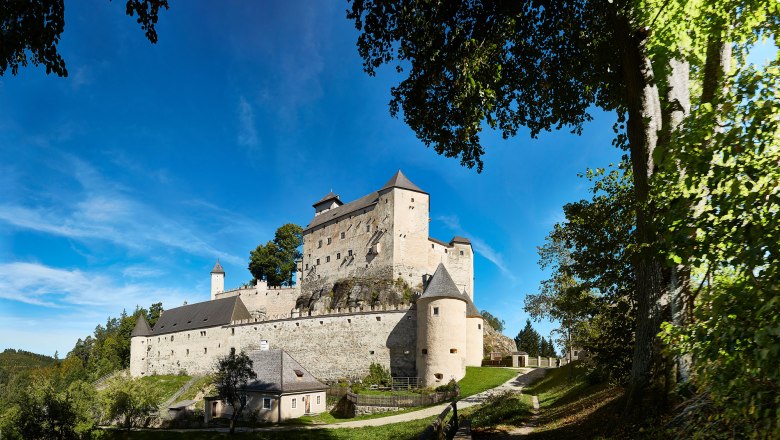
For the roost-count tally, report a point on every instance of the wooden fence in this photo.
(400, 401)
(441, 429)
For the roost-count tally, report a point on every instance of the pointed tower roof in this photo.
(399, 180)
(278, 372)
(471, 309)
(442, 286)
(328, 197)
(217, 268)
(141, 327)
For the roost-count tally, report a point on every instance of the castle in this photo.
(372, 286)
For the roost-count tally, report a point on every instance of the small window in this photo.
(233, 351)
(342, 235)
(307, 266)
(371, 352)
(438, 376)
(188, 352)
(329, 240)
(327, 259)
(319, 244)
(233, 331)
(461, 252)
(378, 318)
(453, 350)
(431, 245)
(205, 350)
(318, 261)
(294, 403)
(171, 352)
(413, 199)
(266, 403)
(203, 333)
(171, 338)
(446, 251)
(338, 255)
(435, 311)
(318, 400)
(479, 326)
(349, 252)
(424, 351)
(368, 228)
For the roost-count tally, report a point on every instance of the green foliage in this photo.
(31, 31)
(528, 339)
(493, 321)
(378, 375)
(275, 261)
(546, 348)
(233, 373)
(129, 401)
(505, 408)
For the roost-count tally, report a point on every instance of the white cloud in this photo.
(247, 134)
(480, 246)
(104, 211)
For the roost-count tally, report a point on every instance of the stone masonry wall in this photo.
(268, 302)
(329, 346)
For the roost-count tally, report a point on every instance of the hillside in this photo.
(15, 361)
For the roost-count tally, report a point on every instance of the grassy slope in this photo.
(15, 361)
(479, 379)
(165, 385)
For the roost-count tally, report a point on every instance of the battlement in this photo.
(346, 311)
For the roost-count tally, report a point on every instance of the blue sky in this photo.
(124, 182)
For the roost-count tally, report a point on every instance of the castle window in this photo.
(342, 235)
(349, 252)
(307, 268)
(338, 255)
(158, 354)
(329, 240)
(318, 261)
(453, 350)
(368, 228)
(327, 259)
(294, 403)
(435, 311)
(424, 351)
(438, 376)
(431, 245)
(445, 251)
(188, 352)
(171, 338)
(479, 326)
(266, 403)
(371, 352)
(171, 352)
(413, 199)
(461, 252)
(319, 244)
(318, 400)
(233, 351)
(203, 333)
(233, 331)
(205, 350)
(378, 318)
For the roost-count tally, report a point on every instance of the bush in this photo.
(378, 375)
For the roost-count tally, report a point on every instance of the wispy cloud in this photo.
(480, 246)
(103, 211)
(247, 133)
(45, 286)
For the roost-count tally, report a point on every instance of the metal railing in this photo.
(400, 401)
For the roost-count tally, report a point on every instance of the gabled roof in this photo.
(277, 372)
(217, 268)
(399, 180)
(357, 205)
(141, 327)
(328, 197)
(442, 286)
(201, 315)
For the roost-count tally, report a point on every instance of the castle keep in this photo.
(372, 286)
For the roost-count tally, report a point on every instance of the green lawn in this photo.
(166, 385)
(196, 387)
(479, 379)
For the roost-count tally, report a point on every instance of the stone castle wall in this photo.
(265, 302)
(459, 261)
(328, 346)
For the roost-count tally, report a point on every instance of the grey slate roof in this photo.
(459, 239)
(399, 180)
(471, 309)
(201, 315)
(276, 373)
(217, 268)
(357, 205)
(141, 327)
(442, 286)
(328, 196)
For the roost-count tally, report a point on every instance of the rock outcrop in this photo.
(355, 293)
(495, 341)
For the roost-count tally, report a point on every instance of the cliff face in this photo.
(495, 341)
(354, 292)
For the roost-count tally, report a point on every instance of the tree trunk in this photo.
(644, 123)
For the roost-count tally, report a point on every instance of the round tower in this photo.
(474, 334)
(441, 339)
(217, 280)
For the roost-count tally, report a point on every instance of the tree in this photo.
(528, 340)
(233, 373)
(493, 321)
(543, 65)
(547, 348)
(31, 31)
(275, 262)
(131, 401)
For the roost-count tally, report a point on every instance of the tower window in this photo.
(329, 240)
(318, 261)
(233, 331)
(205, 350)
(446, 251)
(479, 326)
(435, 311)
(319, 244)
(461, 252)
(327, 259)
(453, 350)
(188, 352)
(368, 228)
(338, 255)
(413, 199)
(424, 351)
(307, 266)
(342, 235)
(438, 376)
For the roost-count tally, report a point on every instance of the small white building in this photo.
(282, 390)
